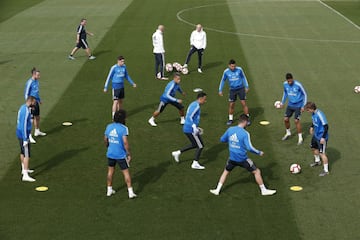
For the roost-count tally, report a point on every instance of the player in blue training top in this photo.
(192, 131)
(118, 151)
(238, 87)
(297, 97)
(168, 97)
(32, 88)
(23, 130)
(81, 42)
(239, 143)
(319, 131)
(117, 74)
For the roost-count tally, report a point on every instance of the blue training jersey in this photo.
(319, 121)
(114, 133)
(32, 89)
(236, 78)
(239, 143)
(170, 91)
(192, 117)
(23, 126)
(116, 75)
(295, 93)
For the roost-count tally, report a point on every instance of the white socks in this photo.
(288, 131)
(326, 167)
(231, 117)
(262, 187)
(317, 158)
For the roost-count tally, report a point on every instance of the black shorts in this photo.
(35, 112)
(118, 93)
(315, 144)
(162, 106)
(24, 150)
(237, 92)
(291, 110)
(82, 44)
(248, 164)
(122, 163)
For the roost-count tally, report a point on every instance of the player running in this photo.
(239, 143)
(116, 75)
(193, 132)
(238, 87)
(297, 97)
(168, 97)
(81, 42)
(23, 130)
(319, 131)
(118, 151)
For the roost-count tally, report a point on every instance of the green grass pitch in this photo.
(319, 42)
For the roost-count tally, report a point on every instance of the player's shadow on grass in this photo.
(4, 62)
(333, 155)
(99, 53)
(212, 153)
(150, 175)
(141, 108)
(305, 127)
(60, 127)
(255, 112)
(57, 160)
(212, 65)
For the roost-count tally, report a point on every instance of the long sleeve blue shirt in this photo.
(236, 78)
(116, 75)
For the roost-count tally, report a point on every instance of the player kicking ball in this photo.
(239, 143)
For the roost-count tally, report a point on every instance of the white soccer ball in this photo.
(357, 89)
(176, 64)
(185, 71)
(169, 67)
(295, 168)
(277, 104)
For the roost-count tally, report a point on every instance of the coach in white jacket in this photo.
(159, 52)
(198, 44)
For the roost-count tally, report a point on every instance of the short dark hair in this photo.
(83, 19)
(200, 95)
(232, 61)
(177, 74)
(120, 116)
(288, 76)
(34, 70)
(120, 57)
(310, 105)
(243, 117)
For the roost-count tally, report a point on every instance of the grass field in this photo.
(319, 42)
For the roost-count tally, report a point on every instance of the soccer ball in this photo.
(277, 104)
(185, 71)
(295, 168)
(357, 89)
(169, 67)
(175, 64)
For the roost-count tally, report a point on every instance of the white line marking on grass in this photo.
(338, 13)
(178, 16)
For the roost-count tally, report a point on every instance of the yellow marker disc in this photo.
(296, 188)
(67, 123)
(264, 122)
(41, 189)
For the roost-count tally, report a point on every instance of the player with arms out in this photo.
(297, 97)
(238, 88)
(239, 143)
(23, 130)
(168, 97)
(118, 151)
(193, 132)
(116, 75)
(319, 131)
(81, 42)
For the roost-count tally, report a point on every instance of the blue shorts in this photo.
(237, 92)
(118, 93)
(291, 110)
(315, 144)
(122, 163)
(248, 164)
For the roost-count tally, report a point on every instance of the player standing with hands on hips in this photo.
(193, 132)
(238, 88)
(198, 44)
(239, 143)
(116, 75)
(118, 151)
(297, 98)
(159, 52)
(32, 88)
(81, 42)
(23, 130)
(319, 131)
